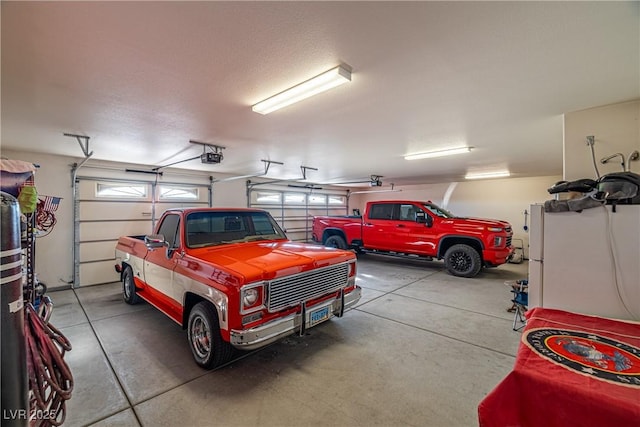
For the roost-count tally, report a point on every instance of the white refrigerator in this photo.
(586, 262)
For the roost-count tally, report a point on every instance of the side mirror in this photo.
(154, 241)
(423, 218)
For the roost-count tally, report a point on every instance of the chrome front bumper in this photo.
(250, 339)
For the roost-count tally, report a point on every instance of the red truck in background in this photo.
(233, 279)
(407, 227)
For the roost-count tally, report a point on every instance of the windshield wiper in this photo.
(256, 238)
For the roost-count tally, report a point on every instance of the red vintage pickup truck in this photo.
(413, 228)
(233, 279)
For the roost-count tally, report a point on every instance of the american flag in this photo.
(50, 203)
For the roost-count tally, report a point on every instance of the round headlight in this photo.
(250, 297)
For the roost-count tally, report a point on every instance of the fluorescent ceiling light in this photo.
(483, 175)
(325, 81)
(438, 153)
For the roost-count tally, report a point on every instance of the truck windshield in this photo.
(215, 228)
(438, 211)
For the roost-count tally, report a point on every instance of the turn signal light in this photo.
(352, 269)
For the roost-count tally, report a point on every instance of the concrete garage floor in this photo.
(422, 348)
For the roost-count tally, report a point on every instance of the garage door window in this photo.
(337, 200)
(294, 198)
(317, 199)
(137, 191)
(178, 193)
(268, 197)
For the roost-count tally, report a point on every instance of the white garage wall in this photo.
(616, 129)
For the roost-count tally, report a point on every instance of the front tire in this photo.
(207, 346)
(129, 287)
(462, 261)
(335, 242)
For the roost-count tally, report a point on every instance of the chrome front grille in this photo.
(292, 290)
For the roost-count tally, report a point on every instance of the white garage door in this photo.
(294, 207)
(106, 209)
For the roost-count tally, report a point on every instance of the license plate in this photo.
(318, 316)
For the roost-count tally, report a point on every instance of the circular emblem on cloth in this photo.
(588, 354)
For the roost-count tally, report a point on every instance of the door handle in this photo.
(400, 225)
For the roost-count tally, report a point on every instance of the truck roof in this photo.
(208, 209)
(401, 201)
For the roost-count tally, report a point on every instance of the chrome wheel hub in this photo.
(200, 337)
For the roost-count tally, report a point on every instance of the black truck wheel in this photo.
(207, 346)
(129, 287)
(462, 260)
(335, 242)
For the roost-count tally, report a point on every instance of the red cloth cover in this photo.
(570, 370)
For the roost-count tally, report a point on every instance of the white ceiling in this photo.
(141, 79)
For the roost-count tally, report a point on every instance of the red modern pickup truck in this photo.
(406, 227)
(233, 279)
